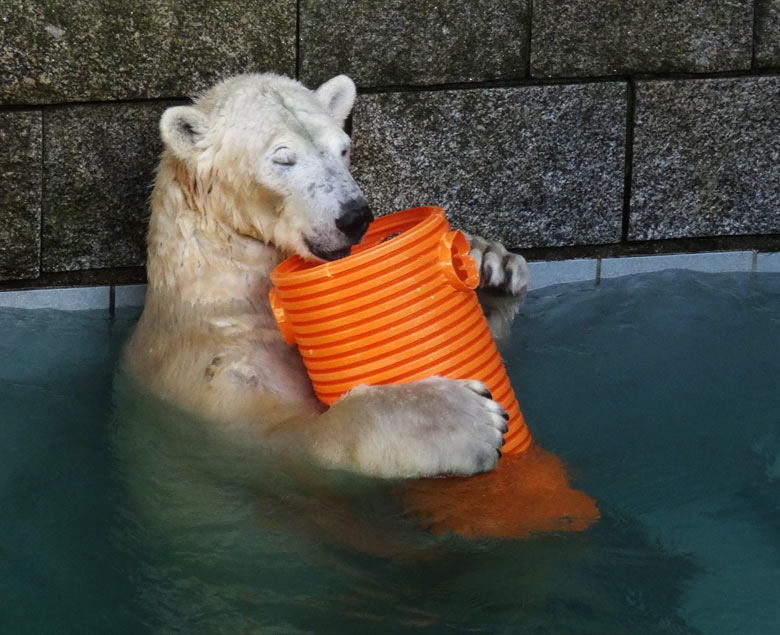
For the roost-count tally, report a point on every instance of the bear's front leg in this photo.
(424, 428)
(503, 282)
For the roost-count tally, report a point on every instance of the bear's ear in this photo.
(181, 127)
(337, 96)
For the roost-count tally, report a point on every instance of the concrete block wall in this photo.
(566, 128)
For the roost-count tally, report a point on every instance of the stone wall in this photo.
(564, 128)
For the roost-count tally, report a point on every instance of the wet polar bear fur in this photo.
(255, 170)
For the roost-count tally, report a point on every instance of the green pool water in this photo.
(660, 391)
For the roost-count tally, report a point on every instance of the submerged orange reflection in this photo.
(526, 494)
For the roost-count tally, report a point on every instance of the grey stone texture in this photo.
(397, 42)
(706, 158)
(578, 38)
(20, 196)
(531, 166)
(100, 165)
(767, 33)
(54, 51)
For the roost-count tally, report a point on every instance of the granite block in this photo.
(20, 197)
(580, 38)
(706, 158)
(100, 165)
(75, 50)
(394, 42)
(531, 166)
(713, 262)
(767, 34)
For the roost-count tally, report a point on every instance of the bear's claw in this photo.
(500, 269)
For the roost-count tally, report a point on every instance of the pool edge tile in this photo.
(768, 262)
(67, 299)
(129, 296)
(549, 272)
(544, 273)
(710, 262)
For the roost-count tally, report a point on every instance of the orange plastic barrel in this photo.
(401, 307)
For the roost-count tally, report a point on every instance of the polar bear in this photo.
(255, 170)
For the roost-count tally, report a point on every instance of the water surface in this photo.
(660, 391)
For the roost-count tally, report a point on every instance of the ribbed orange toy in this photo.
(402, 307)
(394, 311)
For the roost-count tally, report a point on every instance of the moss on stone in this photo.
(421, 42)
(581, 38)
(100, 164)
(77, 50)
(20, 196)
(767, 33)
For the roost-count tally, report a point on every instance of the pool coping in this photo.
(543, 274)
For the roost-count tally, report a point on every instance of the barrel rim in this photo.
(296, 270)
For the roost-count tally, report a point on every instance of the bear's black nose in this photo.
(354, 219)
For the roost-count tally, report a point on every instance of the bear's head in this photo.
(266, 158)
